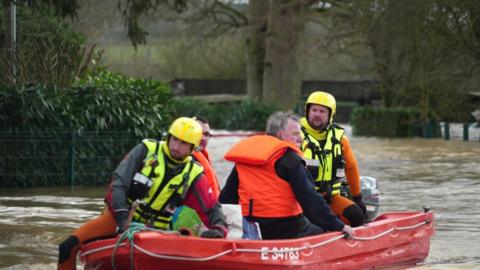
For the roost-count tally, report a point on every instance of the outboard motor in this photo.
(371, 196)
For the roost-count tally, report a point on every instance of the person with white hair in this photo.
(271, 184)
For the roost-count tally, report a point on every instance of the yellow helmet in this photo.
(322, 98)
(186, 129)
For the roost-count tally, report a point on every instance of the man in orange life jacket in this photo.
(164, 175)
(330, 159)
(202, 156)
(270, 182)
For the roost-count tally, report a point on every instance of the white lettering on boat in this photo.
(281, 253)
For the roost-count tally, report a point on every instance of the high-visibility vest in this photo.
(320, 161)
(161, 203)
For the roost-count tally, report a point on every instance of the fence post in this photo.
(446, 130)
(465, 131)
(71, 161)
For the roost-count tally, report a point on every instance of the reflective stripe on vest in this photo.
(262, 193)
(315, 156)
(161, 204)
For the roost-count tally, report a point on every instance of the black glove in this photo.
(121, 218)
(212, 234)
(358, 200)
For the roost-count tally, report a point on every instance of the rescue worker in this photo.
(185, 218)
(270, 182)
(330, 159)
(164, 175)
(202, 156)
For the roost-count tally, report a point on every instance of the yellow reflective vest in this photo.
(320, 161)
(163, 198)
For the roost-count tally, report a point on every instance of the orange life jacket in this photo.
(202, 158)
(262, 193)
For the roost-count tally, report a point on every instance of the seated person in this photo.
(270, 182)
(164, 175)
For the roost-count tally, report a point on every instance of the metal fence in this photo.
(52, 159)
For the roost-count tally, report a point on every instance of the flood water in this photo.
(412, 173)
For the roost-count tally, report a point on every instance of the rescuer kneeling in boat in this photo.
(330, 159)
(271, 183)
(162, 174)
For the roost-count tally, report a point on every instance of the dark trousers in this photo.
(286, 228)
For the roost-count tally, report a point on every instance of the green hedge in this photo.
(77, 135)
(102, 101)
(386, 122)
(245, 115)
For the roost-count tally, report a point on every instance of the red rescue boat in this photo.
(398, 238)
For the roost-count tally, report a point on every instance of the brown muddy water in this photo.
(412, 173)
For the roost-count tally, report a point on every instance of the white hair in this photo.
(277, 121)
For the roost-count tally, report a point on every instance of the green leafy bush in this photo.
(77, 135)
(108, 101)
(248, 115)
(48, 50)
(245, 115)
(102, 101)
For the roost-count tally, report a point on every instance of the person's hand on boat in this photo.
(122, 219)
(359, 201)
(212, 234)
(347, 231)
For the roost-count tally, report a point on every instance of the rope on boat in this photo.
(129, 234)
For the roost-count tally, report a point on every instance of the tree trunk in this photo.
(6, 53)
(5, 38)
(281, 77)
(382, 67)
(257, 16)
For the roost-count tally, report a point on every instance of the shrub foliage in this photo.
(78, 134)
(386, 122)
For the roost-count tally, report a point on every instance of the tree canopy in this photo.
(425, 52)
(46, 49)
